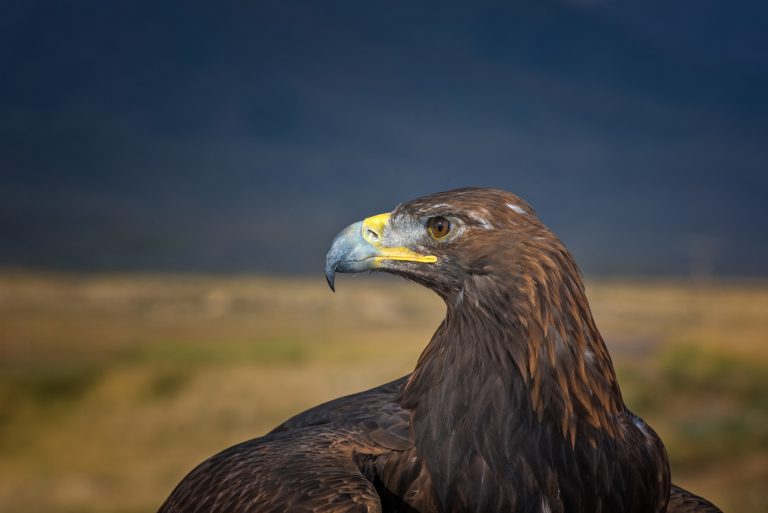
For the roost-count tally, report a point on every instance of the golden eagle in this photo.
(512, 407)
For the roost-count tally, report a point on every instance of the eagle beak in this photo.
(359, 247)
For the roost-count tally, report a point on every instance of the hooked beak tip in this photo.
(330, 277)
(330, 273)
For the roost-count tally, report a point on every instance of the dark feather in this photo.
(683, 501)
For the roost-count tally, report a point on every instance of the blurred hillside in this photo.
(112, 387)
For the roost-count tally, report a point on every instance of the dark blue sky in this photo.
(241, 136)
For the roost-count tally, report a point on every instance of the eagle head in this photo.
(451, 242)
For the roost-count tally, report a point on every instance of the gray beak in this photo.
(349, 253)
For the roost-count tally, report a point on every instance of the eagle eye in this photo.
(438, 227)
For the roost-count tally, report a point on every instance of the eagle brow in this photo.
(440, 209)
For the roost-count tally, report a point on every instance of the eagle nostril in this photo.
(372, 235)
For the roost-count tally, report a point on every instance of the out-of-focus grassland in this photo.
(112, 387)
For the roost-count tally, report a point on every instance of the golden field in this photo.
(112, 387)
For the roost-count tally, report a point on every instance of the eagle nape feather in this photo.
(513, 406)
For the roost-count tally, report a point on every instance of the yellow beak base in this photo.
(373, 232)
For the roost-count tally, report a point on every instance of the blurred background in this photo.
(171, 175)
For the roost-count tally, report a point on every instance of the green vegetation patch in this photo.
(695, 369)
(50, 392)
(269, 351)
(48, 386)
(727, 399)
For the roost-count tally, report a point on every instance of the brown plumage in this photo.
(512, 406)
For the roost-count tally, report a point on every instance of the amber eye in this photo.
(438, 227)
